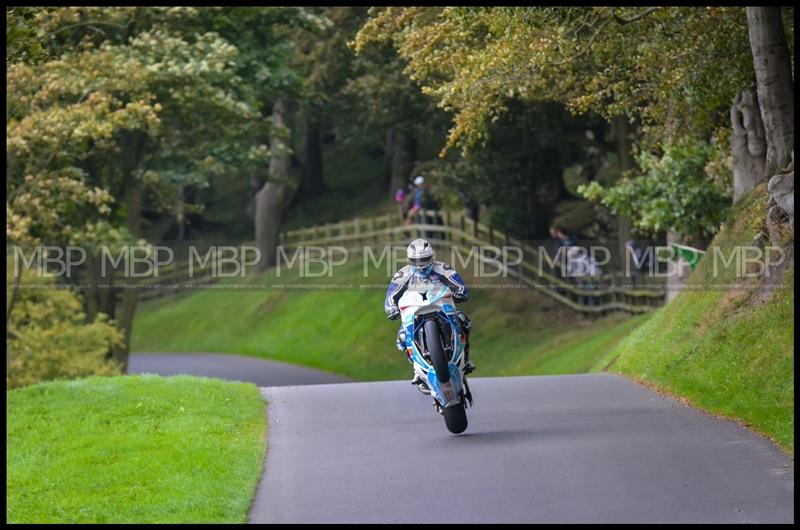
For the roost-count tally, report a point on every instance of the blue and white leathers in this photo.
(439, 270)
(426, 297)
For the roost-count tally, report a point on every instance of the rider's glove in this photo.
(460, 297)
(393, 313)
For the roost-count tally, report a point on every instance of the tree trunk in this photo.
(92, 291)
(748, 145)
(269, 204)
(621, 130)
(256, 183)
(774, 83)
(124, 320)
(130, 296)
(271, 200)
(9, 307)
(133, 197)
(403, 152)
(312, 182)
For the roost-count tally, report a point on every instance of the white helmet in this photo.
(419, 180)
(420, 255)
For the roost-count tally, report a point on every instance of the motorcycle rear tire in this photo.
(455, 417)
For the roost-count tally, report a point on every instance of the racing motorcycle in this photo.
(435, 345)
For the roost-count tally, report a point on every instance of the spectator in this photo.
(641, 259)
(560, 237)
(419, 198)
(561, 241)
(585, 270)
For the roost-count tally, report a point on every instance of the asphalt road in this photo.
(262, 372)
(579, 448)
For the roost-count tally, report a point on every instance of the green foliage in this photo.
(672, 71)
(21, 42)
(384, 97)
(160, 112)
(48, 337)
(134, 449)
(673, 193)
(676, 69)
(518, 173)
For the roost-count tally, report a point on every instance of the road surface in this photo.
(261, 372)
(566, 449)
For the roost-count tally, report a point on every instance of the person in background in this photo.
(562, 239)
(419, 200)
(585, 271)
(641, 260)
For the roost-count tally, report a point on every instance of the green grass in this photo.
(727, 351)
(134, 449)
(515, 331)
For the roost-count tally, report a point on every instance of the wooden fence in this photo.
(454, 229)
(445, 230)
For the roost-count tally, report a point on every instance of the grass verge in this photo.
(727, 351)
(515, 331)
(134, 449)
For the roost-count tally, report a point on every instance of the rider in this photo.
(420, 262)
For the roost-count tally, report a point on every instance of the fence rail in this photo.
(598, 295)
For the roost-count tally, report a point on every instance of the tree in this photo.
(773, 71)
(325, 64)
(664, 66)
(138, 119)
(673, 193)
(748, 145)
(518, 173)
(673, 71)
(271, 199)
(392, 107)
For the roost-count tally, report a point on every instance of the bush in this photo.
(48, 336)
(673, 192)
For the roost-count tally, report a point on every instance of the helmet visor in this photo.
(420, 263)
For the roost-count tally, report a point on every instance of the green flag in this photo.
(692, 255)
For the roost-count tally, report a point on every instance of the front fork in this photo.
(464, 322)
(403, 344)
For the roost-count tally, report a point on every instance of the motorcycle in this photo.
(435, 345)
